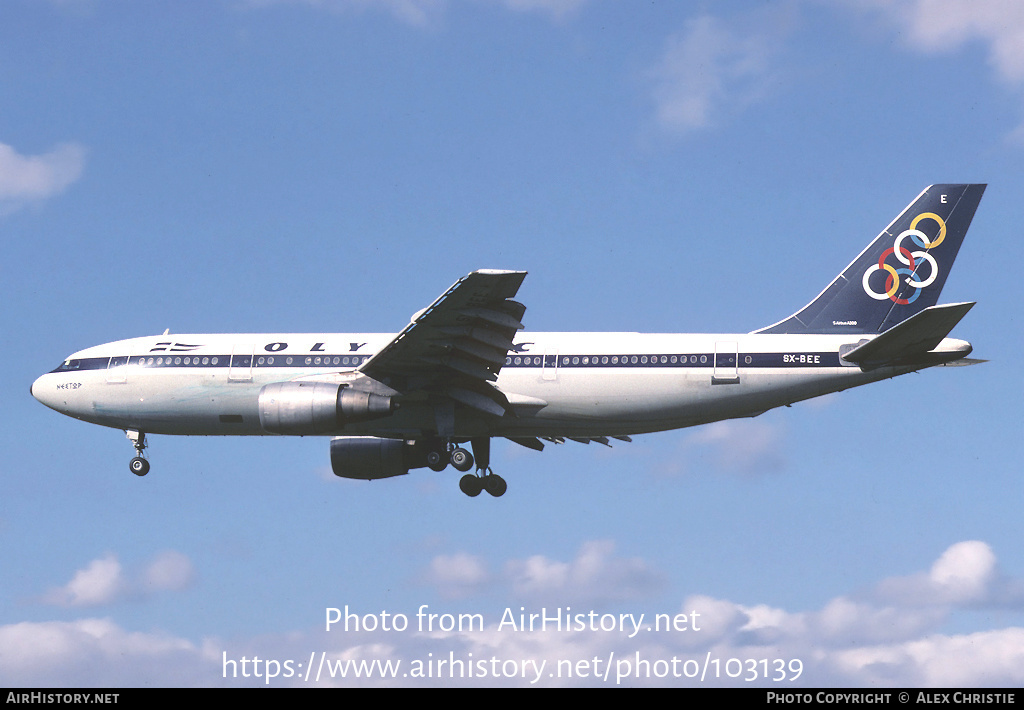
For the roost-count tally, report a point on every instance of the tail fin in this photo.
(900, 273)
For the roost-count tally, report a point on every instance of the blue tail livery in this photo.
(901, 272)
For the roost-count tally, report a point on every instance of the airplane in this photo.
(462, 372)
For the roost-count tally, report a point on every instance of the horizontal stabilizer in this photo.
(919, 334)
(965, 362)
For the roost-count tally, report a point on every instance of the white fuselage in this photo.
(559, 384)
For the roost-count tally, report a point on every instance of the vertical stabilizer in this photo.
(899, 274)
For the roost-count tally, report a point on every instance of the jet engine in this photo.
(310, 408)
(370, 457)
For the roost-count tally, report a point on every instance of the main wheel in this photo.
(462, 460)
(470, 485)
(437, 460)
(495, 485)
(139, 466)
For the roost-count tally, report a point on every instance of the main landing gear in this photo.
(472, 484)
(138, 465)
(444, 453)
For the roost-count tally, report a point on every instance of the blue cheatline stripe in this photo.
(678, 360)
(250, 360)
(688, 360)
(240, 361)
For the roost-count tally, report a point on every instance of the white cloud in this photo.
(966, 574)
(946, 25)
(715, 67)
(26, 179)
(742, 446)
(99, 583)
(457, 576)
(169, 571)
(95, 652)
(595, 576)
(845, 621)
(719, 619)
(964, 571)
(103, 581)
(935, 26)
(869, 640)
(987, 658)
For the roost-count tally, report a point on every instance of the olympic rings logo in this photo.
(910, 261)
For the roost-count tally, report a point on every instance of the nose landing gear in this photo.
(138, 465)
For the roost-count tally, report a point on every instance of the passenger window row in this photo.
(246, 360)
(611, 360)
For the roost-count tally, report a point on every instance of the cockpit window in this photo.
(89, 363)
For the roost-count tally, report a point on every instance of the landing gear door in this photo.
(726, 363)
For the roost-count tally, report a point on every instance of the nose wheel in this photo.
(138, 465)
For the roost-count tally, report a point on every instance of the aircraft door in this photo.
(240, 369)
(549, 370)
(117, 370)
(727, 363)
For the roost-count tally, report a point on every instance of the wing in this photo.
(454, 348)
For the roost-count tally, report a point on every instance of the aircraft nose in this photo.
(40, 396)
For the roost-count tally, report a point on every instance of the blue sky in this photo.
(334, 165)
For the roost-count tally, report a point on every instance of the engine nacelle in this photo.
(370, 457)
(310, 408)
